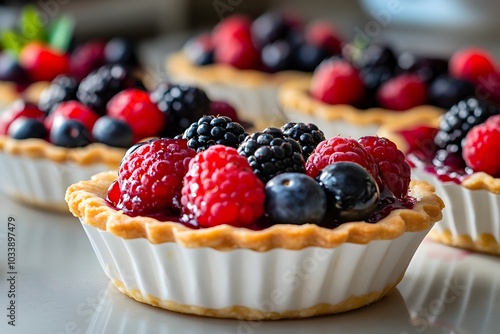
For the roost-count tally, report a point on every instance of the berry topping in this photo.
(480, 150)
(378, 55)
(135, 107)
(294, 198)
(336, 81)
(270, 153)
(113, 132)
(101, 85)
(277, 56)
(86, 58)
(445, 91)
(457, 121)
(220, 188)
(200, 50)
(402, 92)
(10, 70)
(181, 104)
(17, 110)
(307, 57)
(426, 68)
(24, 128)
(307, 135)
(352, 193)
(323, 35)
(42, 62)
(269, 27)
(211, 130)
(471, 64)
(69, 133)
(62, 88)
(151, 177)
(338, 149)
(221, 108)
(395, 171)
(73, 110)
(119, 50)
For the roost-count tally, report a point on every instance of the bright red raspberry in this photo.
(402, 92)
(420, 138)
(221, 188)
(395, 171)
(221, 108)
(472, 64)
(42, 62)
(150, 178)
(73, 110)
(17, 110)
(338, 149)
(135, 107)
(337, 82)
(322, 34)
(480, 150)
(86, 58)
(231, 26)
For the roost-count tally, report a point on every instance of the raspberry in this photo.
(233, 25)
(221, 108)
(471, 64)
(73, 110)
(221, 188)
(480, 150)
(17, 110)
(86, 58)
(322, 34)
(136, 108)
(338, 149)
(42, 62)
(337, 82)
(402, 92)
(151, 177)
(270, 153)
(307, 135)
(391, 162)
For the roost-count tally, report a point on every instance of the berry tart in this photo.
(80, 128)
(195, 228)
(243, 61)
(459, 157)
(354, 95)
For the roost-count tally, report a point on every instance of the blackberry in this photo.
(456, 122)
(270, 153)
(62, 88)
(212, 130)
(101, 85)
(378, 55)
(445, 91)
(182, 105)
(307, 135)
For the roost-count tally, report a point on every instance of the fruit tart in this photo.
(256, 226)
(243, 61)
(80, 128)
(459, 157)
(355, 95)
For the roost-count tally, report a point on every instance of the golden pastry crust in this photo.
(480, 180)
(179, 65)
(86, 200)
(485, 242)
(294, 96)
(41, 149)
(8, 93)
(246, 313)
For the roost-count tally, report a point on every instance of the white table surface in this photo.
(62, 289)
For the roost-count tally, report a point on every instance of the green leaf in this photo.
(31, 27)
(12, 42)
(60, 33)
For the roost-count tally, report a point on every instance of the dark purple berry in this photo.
(294, 198)
(122, 51)
(70, 133)
(352, 193)
(426, 68)
(446, 91)
(269, 27)
(200, 50)
(378, 55)
(307, 57)
(277, 56)
(24, 128)
(62, 88)
(307, 135)
(10, 70)
(113, 132)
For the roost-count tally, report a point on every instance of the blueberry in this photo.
(352, 193)
(277, 56)
(10, 70)
(269, 27)
(199, 50)
(446, 91)
(69, 133)
(307, 57)
(24, 128)
(120, 51)
(426, 68)
(378, 55)
(112, 132)
(294, 198)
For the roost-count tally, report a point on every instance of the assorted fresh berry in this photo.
(70, 133)
(42, 62)
(87, 57)
(352, 193)
(211, 130)
(24, 128)
(395, 171)
(307, 135)
(221, 108)
(402, 92)
(73, 110)
(445, 91)
(472, 64)
(221, 188)
(275, 41)
(62, 88)
(294, 198)
(151, 178)
(270, 153)
(17, 110)
(113, 132)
